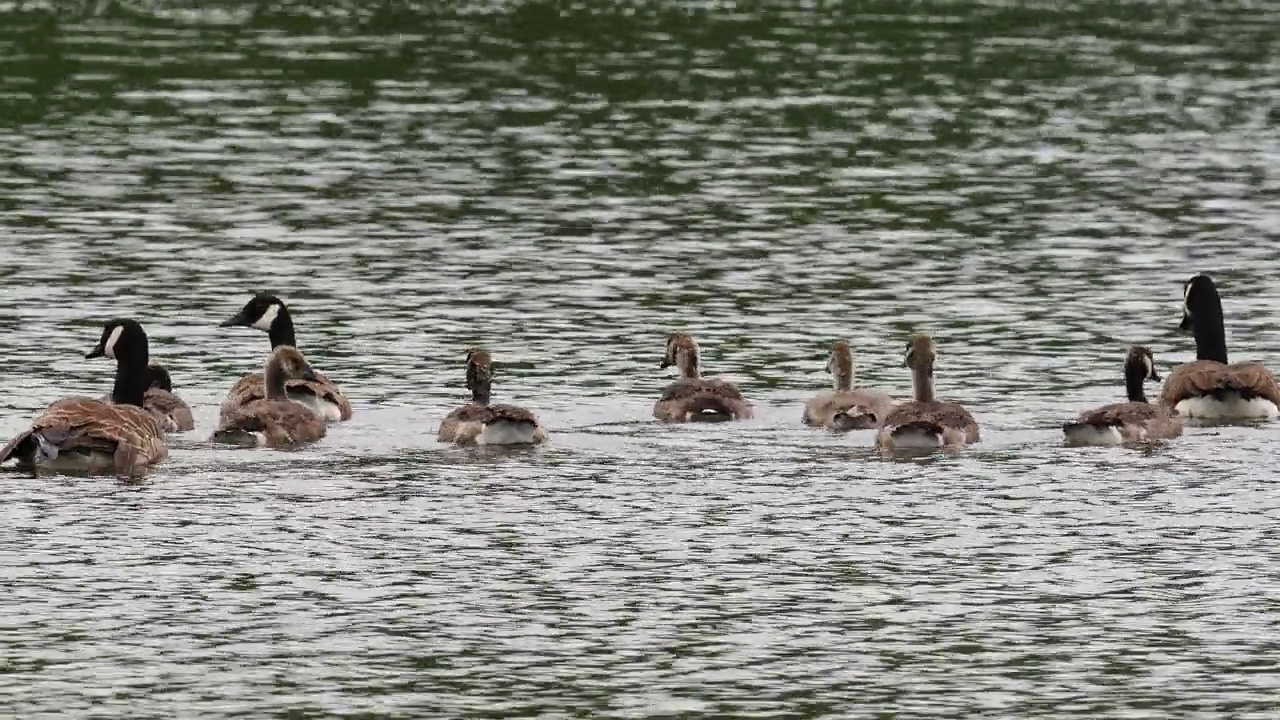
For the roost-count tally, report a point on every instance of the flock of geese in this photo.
(290, 403)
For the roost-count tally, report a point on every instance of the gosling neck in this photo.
(687, 361)
(274, 379)
(1135, 375)
(842, 376)
(480, 392)
(922, 381)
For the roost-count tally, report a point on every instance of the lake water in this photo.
(565, 184)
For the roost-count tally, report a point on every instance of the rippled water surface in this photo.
(565, 184)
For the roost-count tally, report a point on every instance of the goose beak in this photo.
(1186, 322)
(237, 320)
(96, 352)
(1155, 376)
(309, 375)
(664, 365)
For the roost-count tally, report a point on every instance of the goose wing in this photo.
(281, 422)
(1126, 413)
(684, 389)
(945, 415)
(251, 388)
(1208, 377)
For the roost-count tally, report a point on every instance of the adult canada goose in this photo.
(1134, 421)
(926, 422)
(174, 413)
(479, 423)
(277, 420)
(87, 436)
(694, 398)
(846, 408)
(269, 314)
(1209, 387)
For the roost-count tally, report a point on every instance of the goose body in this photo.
(274, 421)
(693, 398)
(925, 423)
(846, 408)
(474, 424)
(270, 315)
(87, 436)
(480, 423)
(1211, 388)
(1134, 421)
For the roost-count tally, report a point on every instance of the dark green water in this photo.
(1031, 183)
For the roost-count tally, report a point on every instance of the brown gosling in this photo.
(694, 398)
(480, 423)
(846, 408)
(1128, 422)
(277, 420)
(926, 422)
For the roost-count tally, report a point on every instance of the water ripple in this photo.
(565, 185)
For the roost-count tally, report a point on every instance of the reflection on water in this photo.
(565, 186)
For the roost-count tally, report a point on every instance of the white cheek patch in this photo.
(268, 318)
(1146, 360)
(109, 349)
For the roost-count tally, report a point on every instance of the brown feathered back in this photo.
(168, 405)
(279, 423)
(686, 398)
(1201, 378)
(251, 388)
(131, 435)
(953, 419)
(848, 410)
(465, 424)
(172, 411)
(1135, 421)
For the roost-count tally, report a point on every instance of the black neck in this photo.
(1211, 335)
(273, 380)
(1135, 374)
(281, 332)
(480, 393)
(132, 380)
